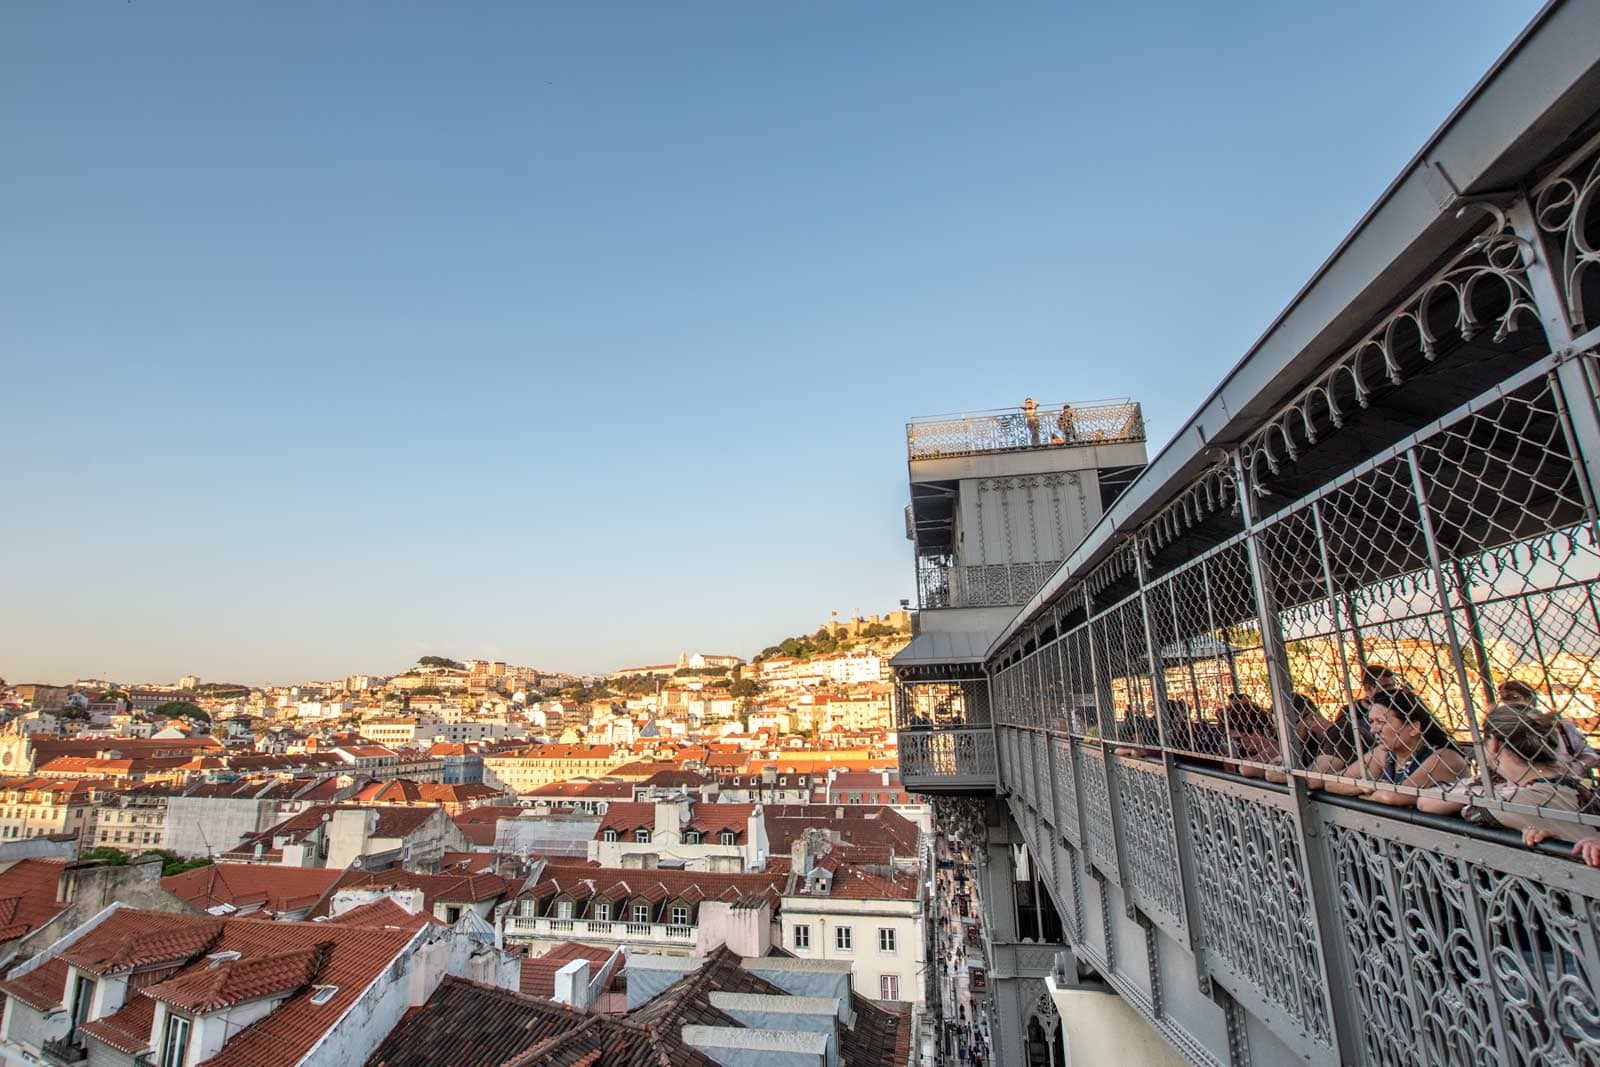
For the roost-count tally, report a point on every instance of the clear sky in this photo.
(333, 334)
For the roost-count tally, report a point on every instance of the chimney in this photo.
(572, 985)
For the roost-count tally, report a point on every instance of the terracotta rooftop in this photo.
(28, 896)
(451, 887)
(222, 984)
(275, 958)
(248, 886)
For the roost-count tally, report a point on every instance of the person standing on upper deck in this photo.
(1066, 425)
(1030, 415)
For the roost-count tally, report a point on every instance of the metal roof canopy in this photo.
(1519, 114)
(942, 648)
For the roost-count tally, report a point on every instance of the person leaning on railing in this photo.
(1521, 747)
(1337, 748)
(1573, 747)
(1413, 752)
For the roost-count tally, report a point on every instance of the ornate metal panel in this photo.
(1041, 773)
(1102, 846)
(1568, 210)
(1066, 791)
(1255, 913)
(1147, 832)
(1465, 956)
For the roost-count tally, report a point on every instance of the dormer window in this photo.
(727, 837)
(602, 911)
(175, 1041)
(564, 909)
(641, 835)
(692, 837)
(83, 996)
(608, 835)
(641, 913)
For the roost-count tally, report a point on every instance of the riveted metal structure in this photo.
(1193, 737)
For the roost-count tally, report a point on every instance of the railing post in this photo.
(1320, 886)
(1178, 837)
(1108, 766)
(1576, 385)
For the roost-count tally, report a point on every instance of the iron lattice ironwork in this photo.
(1406, 615)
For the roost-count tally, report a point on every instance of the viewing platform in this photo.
(1056, 425)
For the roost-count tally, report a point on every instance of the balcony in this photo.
(609, 932)
(948, 761)
(942, 583)
(64, 1050)
(1011, 430)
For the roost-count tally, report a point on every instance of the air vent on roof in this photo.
(222, 957)
(321, 994)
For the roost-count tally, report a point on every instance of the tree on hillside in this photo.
(179, 709)
(744, 687)
(440, 661)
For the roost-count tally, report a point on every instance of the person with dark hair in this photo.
(1573, 748)
(1412, 751)
(1521, 748)
(1252, 734)
(1339, 746)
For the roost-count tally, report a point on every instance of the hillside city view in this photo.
(449, 447)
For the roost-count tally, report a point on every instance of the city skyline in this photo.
(562, 340)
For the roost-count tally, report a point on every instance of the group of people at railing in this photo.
(1388, 747)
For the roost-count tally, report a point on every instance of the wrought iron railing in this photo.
(947, 758)
(1011, 429)
(65, 1049)
(1415, 638)
(941, 583)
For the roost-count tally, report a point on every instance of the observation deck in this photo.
(1390, 500)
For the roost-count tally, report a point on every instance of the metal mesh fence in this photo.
(1408, 602)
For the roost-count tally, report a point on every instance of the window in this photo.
(680, 915)
(802, 935)
(641, 913)
(83, 994)
(175, 1042)
(641, 834)
(783, 781)
(886, 939)
(727, 837)
(609, 835)
(602, 911)
(564, 909)
(889, 987)
(842, 938)
(693, 838)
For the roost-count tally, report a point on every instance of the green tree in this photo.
(440, 661)
(744, 687)
(113, 857)
(172, 863)
(179, 709)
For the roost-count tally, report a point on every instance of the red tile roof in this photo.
(28, 896)
(539, 972)
(451, 887)
(352, 957)
(129, 939)
(222, 984)
(269, 887)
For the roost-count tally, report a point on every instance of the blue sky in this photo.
(337, 334)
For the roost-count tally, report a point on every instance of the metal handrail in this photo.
(1011, 429)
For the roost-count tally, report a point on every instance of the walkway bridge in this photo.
(1403, 471)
